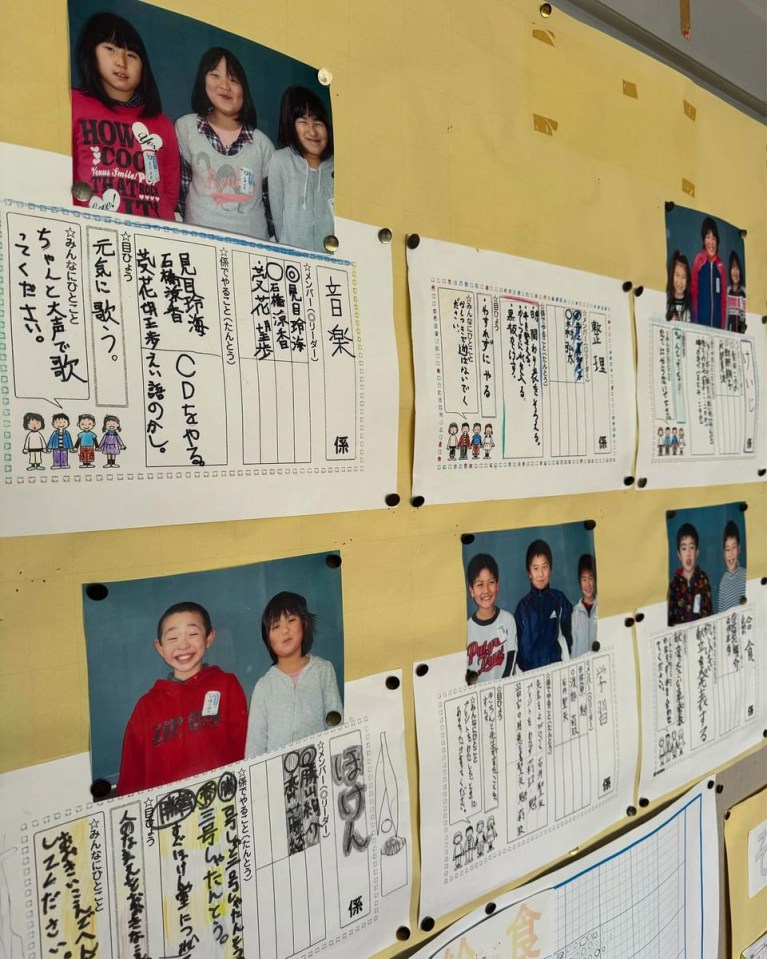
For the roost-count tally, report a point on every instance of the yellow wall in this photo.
(433, 105)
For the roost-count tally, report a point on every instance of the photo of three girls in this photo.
(706, 275)
(214, 167)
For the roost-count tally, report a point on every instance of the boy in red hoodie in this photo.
(194, 720)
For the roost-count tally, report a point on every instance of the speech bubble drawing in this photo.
(45, 309)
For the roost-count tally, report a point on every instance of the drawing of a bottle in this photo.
(393, 847)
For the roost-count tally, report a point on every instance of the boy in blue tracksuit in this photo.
(544, 615)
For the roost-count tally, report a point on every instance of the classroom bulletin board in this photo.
(479, 124)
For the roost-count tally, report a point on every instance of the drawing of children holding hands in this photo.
(34, 441)
(452, 440)
(464, 441)
(87, 442)
(491, 833)
(111, 443)
(457, 850)
(60, 441)
(476, 441)
(487, 441)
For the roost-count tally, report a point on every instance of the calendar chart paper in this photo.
(703, 691)
(302, 851)
(653, 892)
(701, 399)
(160, 374)
(524, 377)
(515, 771)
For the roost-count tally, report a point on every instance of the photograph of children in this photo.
(531, 598)
(214, 667)
(177, 120)
(706, 270)
(706, 561)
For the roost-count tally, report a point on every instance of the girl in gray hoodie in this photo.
(300, 175)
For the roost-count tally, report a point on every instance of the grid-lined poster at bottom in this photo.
(650, 894)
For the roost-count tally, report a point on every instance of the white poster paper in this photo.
(652, 892)
(757, 858)
(524, 377)
(703, 691)
(302, 851)
(158, 374)
(757, 950)
(514, 772)
(701, 396)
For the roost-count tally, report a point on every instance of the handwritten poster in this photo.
(745, 840)
(701, 400)
(534, 359)
(303, 851)
(652, 892)
(157, 374)
(703, 691)
(515, 771)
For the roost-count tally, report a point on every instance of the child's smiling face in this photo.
(313, 136)
(539, 572)
(183, 643)
(587, 585)
(710, 244)
(735, 275)
(679, 280)
(224, 91)
(484, 591)
(731, 553)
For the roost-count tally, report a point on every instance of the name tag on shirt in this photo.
(247, 180)
(212, 700)
(696, 603)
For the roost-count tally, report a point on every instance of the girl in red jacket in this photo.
(124, 148)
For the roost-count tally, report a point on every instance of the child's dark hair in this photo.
(201, 101)
(28, 417)
(709, 226)
(116, 419)
(477, 564)
(686, 529)
(300, 102)
(538, 547)
(60, 416)
(586, 565)
(291, 604)
(109, 28)
(731, 531)
(735, 261)
(185, 607)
